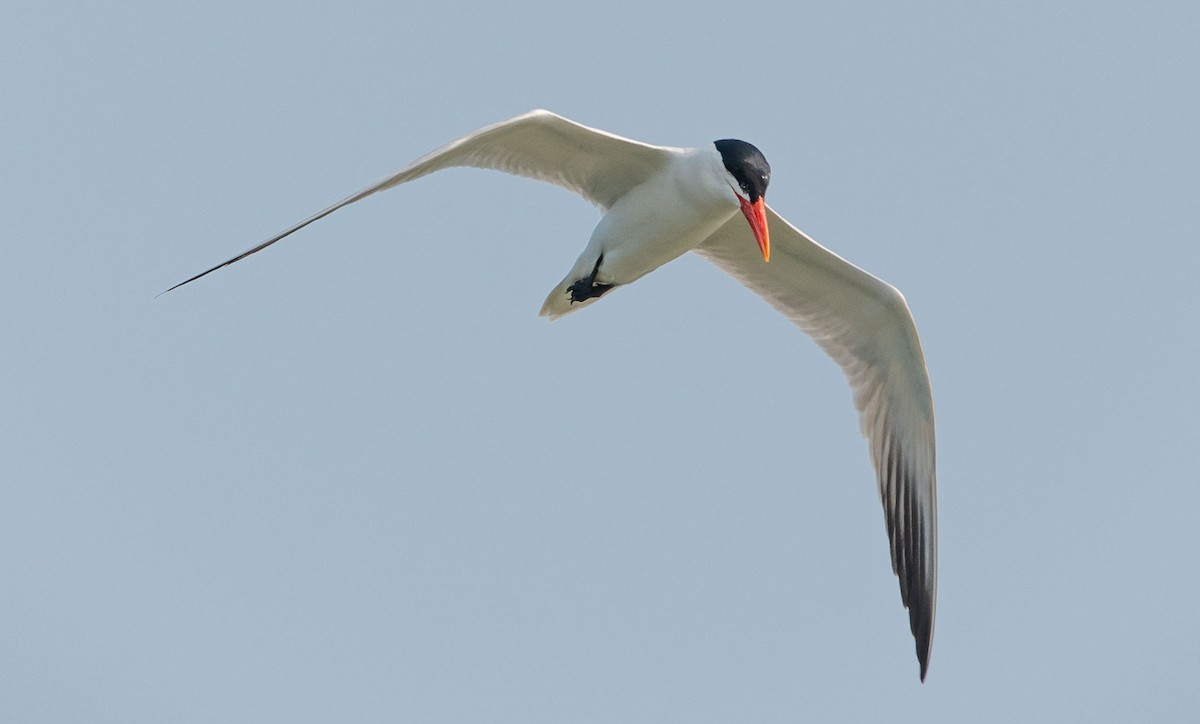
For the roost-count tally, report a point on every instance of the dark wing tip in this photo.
(203, 273)
(910, 535)
(922, 628)
(920, 604)
(344, 202)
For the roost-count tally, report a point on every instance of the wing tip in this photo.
(189, 281)
(921, 620)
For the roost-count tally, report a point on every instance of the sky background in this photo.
(356, 478)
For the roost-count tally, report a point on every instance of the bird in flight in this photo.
(660, 202)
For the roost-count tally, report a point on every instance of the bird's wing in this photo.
(864, 324)
(597, 165)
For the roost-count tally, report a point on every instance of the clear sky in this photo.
(356, 478)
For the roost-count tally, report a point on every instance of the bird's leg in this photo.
(586, 288)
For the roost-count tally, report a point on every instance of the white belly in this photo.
(660, 220)
(644, 231)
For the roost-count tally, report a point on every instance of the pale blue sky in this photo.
(355, 478)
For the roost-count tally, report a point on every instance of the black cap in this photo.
(746, 164)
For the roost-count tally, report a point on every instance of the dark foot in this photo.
(587, 287)
(582, 291)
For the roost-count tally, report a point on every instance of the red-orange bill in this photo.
(756, 214)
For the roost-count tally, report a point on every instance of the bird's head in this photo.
(748, 174)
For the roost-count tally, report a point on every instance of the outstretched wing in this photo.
(864, 324)
(599, 166)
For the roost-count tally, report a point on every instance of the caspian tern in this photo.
(659, 202)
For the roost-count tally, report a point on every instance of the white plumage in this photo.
(660, 202)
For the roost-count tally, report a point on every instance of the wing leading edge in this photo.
(865, 325)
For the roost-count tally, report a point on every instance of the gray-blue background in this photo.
(357, 479)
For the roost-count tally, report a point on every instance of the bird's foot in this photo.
(587, 287)
(583, 290)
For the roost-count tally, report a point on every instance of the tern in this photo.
(659, 202)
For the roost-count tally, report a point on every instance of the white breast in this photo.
(668, 215)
